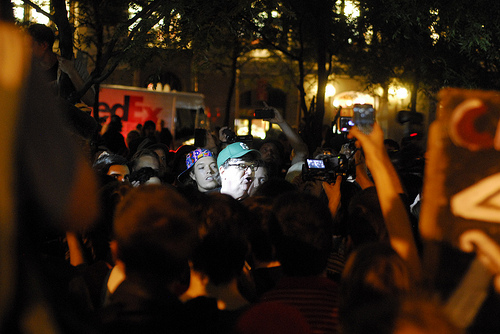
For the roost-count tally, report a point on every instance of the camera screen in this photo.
(316, 164)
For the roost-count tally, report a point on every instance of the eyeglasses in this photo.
(244, 167)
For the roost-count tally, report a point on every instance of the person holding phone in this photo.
(269, 150)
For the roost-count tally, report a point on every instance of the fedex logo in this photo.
(132, 110)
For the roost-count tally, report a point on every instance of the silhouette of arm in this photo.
(389, 189)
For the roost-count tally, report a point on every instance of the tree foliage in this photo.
(425, 44)
(107, 33)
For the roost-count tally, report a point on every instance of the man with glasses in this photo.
(237, 164)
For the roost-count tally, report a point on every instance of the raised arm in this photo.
(362, 177)
(298, 145)
(389, 189)
(332, 191)
(72, 69)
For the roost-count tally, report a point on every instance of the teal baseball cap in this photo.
(235, 150)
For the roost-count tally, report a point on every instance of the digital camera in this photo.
(329, 166)
(231, 137)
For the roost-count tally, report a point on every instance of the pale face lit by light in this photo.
(235, 181)
(205, 173)
(119, 172)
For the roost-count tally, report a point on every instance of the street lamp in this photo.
(329, 90)
(402, 93)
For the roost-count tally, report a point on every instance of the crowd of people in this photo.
(110, 237)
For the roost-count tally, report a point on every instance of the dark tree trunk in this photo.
(232, 84)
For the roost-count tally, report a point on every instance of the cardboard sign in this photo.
(462, 176)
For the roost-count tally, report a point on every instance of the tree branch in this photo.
(39, 9)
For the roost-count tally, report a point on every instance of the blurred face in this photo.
(206, 174)
(149, 131)
(148, 161)
(269, 153)
(119, 172)
(38, 49)
(160, 124)
(259, 178)
(163, 159)
(237, 177)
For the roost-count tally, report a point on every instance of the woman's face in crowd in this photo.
(163, 159)
(206, 174)
(259, 179)
(119, 172)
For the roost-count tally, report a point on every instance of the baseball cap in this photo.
(192, 157)
(235, 150)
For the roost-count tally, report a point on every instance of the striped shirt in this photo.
(315, 297)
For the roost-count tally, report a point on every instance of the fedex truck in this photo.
(182, 112)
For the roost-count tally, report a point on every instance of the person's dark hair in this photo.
(132, 135)
(115, 124)
(374, 281)
(274, 187)
(392, 144)
(41, 33)
(375, 268)
(185, 181)
(149, 124)
(144, 152)
(179, 163)
(223, 245)
(100, 234)
(160, 146)
(259, 237)
(365, 220)
(302, 234)
(106, 160)
(155, 231)
(143, 175)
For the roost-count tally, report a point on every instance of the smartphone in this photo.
(200, 137)
(263, 113)
(345, 123)
(364, 117)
